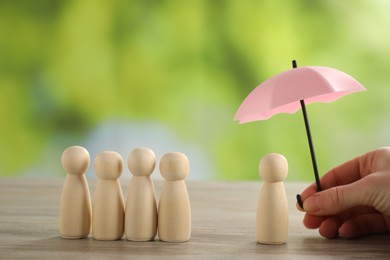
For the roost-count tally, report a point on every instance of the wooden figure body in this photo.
(174, 212)
(141, 205)
(272, 208)
(75, 208)
(107, 206)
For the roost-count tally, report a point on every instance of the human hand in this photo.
(355, 200)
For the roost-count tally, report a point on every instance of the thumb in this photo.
(338, 199)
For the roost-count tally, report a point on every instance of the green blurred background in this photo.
(170, 75)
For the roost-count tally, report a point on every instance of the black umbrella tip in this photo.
(299, 200)
(294, 64)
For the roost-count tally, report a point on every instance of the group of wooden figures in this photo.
(138, 218)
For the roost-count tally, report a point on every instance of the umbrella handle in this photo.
(313, 156)
(312, 153)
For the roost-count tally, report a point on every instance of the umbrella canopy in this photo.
(291, 90)
(283, 92)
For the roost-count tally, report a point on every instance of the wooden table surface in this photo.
(223, 227)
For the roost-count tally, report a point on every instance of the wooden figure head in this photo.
(174, 166)
(108, 165)
(75, 160)
(141, 161)
(273, 167)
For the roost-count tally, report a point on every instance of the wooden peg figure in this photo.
(141, 205)
(75, 208)
(174, 212)
(272, 207)
(107, 205)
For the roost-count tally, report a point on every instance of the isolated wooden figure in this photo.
(75, 208)
(174, 212)
(107, 205)
(272, 207)
(141, 205)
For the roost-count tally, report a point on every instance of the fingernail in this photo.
(311, 204)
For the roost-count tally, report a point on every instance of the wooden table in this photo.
(223, 227)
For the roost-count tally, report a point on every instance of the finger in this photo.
(352, 170)
(349, 172)
(330, 227)
(312, 222)
(380, 161)
(357, 168)
(309, 191)
(338, 199)
(367, 224)
(355, 212)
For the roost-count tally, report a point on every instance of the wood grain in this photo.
(223, 227)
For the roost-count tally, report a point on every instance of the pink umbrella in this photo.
(291, 90)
